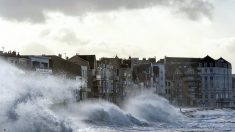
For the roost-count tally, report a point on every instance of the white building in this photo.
(216, 78)
(216, 82)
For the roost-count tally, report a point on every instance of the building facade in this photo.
(187, 86)
(159, 78)
(216, 82)
(216, 78)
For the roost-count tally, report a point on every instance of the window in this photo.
(211, 64)
(84, 73)
(211, 84)
(212, 96)
(220, 64)
(117, 72)
(211, 70)
(211, 78)
(226, 95)
(205, 64)
(205, 70)
(205, 78)
(200, 70)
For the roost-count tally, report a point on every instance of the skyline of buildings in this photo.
(194, 82)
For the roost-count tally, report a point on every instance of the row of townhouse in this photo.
(149, 74)
(114, 77)
(204, 82)
(107, 78)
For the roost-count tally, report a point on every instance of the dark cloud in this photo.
(34, 10)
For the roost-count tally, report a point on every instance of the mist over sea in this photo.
(43, 103)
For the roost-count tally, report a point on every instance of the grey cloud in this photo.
(65, 36)
(34, 10)
(35, 48)
(69, 37)
(231, 47)
(111, 50)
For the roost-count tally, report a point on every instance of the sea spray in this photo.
(142, 110)
(30, 102)
(98, 113)
(152, 108)
(25, 100)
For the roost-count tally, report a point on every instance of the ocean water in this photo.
(40, 103)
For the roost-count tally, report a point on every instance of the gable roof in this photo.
(80, 61)
(222, 60)
(207, 59)
(60, 65)
(91, 59)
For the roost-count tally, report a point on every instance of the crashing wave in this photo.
(25, 100)
(31, 102)
(152, 108)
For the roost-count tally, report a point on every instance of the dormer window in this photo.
(220, 64)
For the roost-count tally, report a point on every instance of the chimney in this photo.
(13, 53)
(60, 55)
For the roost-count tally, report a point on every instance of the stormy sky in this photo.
(144, 28)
